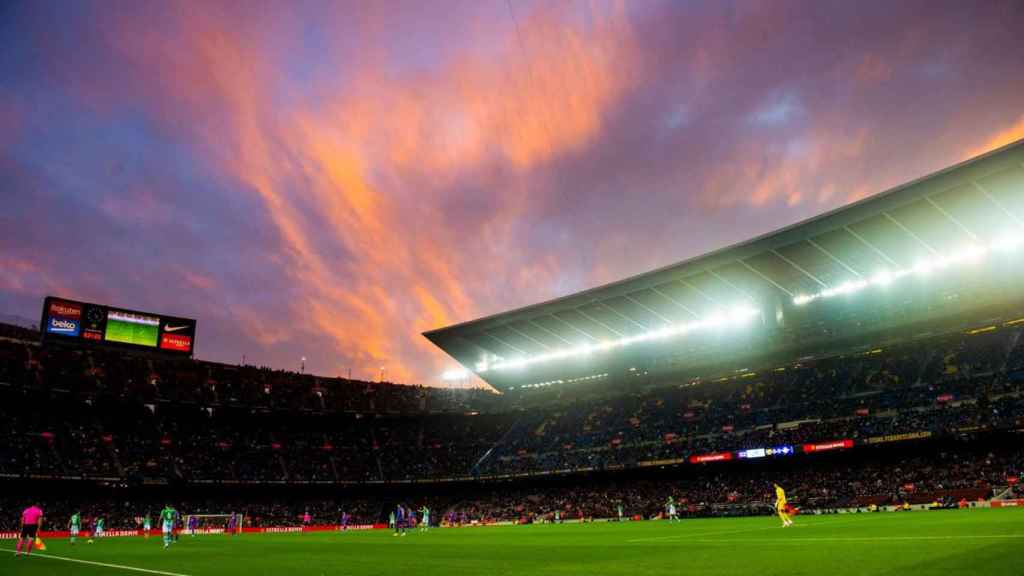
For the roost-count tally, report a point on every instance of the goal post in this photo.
(230, 523)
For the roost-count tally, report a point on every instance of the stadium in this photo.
(869, 360)
(212, 216)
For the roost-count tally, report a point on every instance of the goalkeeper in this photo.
(780, 506)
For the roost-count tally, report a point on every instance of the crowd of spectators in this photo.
(104, 414)
(941, 386)
(940, 471)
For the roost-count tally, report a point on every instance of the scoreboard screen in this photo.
(70, 320)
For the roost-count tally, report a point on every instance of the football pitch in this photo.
(132, 332)
(985, 542)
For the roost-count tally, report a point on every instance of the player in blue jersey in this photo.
(400, 521)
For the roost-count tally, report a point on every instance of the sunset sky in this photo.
(331, 179)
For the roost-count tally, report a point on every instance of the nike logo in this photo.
(176, 328)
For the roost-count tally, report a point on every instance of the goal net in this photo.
(213, 523)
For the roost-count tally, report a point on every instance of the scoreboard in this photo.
(71, 320)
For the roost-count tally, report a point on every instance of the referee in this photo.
(31, 520)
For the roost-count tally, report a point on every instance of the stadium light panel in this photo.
(737, 316)
(966, 256)
(923, 268)
(1007, 243)
(883, 278)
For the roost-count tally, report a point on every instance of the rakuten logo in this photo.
(65, 309)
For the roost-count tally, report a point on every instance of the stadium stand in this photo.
(102, 423)
(900, 395)
(123, 420)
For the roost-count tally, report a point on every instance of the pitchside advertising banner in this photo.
(205, 531)
(71, 320)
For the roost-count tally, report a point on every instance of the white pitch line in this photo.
(104, 564)
(774, 541)
(693, 535)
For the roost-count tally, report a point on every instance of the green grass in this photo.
(132, 333)
(986, 542)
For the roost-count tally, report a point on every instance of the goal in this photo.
(213, 523)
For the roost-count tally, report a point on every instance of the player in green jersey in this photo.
(75, 526)
(425, 524)
(167, 516)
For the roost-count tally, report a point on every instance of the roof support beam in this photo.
(698, 291)
(674, 301)
(909, 233)
(491, 335)
(799, 268)
(573, 327)
(623, 316)
(873, 248)
(996, 201)
(527, 336)
(833, 257)
(952, 219)
(534, 324)
(596, 321)
(766, 279)
(640, 304)
(731, 285)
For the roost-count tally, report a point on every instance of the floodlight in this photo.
(969, 254)
(883, 278)
(1006, 243)
(801, 299)
(923, 268)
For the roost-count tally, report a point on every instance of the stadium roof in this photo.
(942, 217)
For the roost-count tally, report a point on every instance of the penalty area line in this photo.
(90, 562)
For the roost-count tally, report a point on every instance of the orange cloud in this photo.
(999, 139)
(801, 170)
(23, 276)
(353, 181)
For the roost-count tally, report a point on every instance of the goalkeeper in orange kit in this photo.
(780, 506)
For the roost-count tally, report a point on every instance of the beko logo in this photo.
(62, 326)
